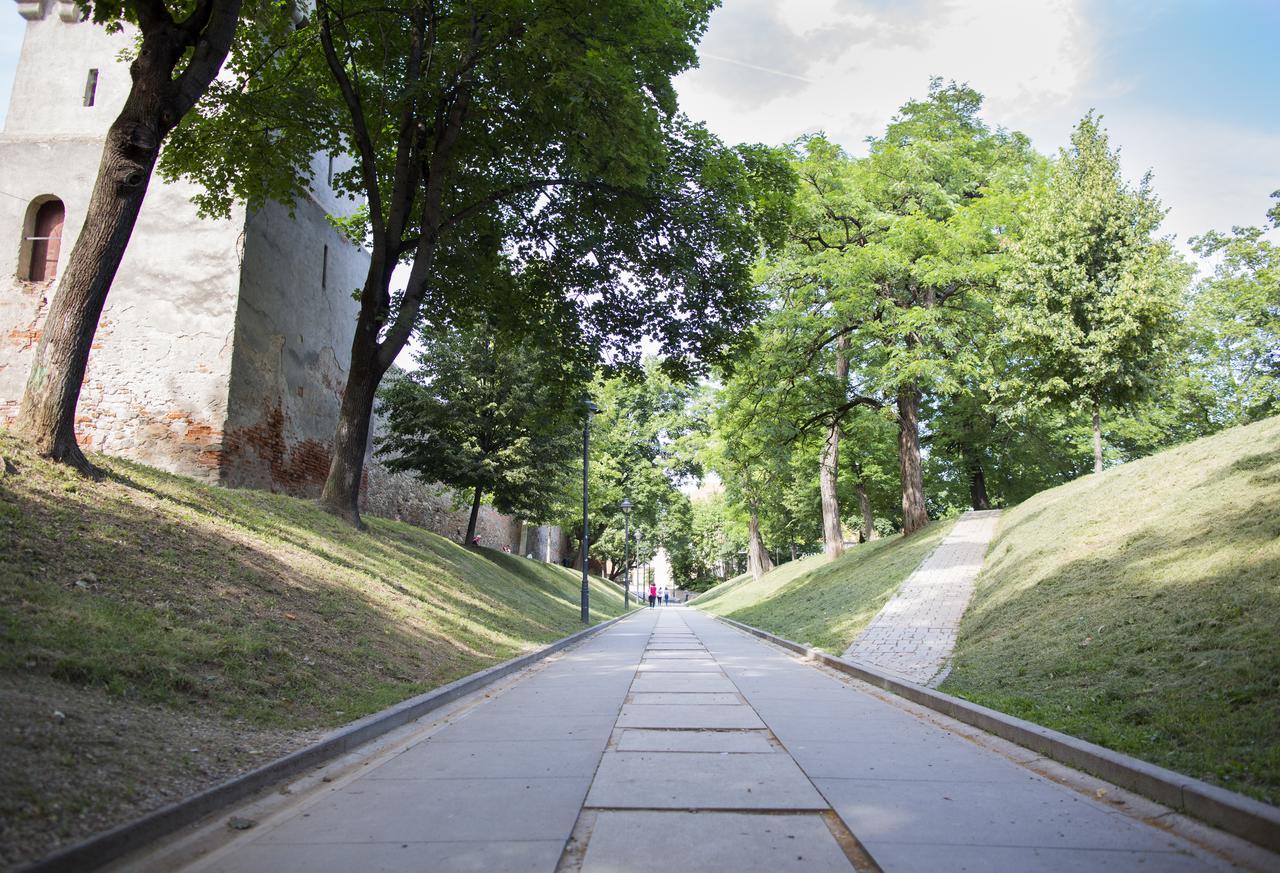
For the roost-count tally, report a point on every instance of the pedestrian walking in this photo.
(653, 595)
(666, 597)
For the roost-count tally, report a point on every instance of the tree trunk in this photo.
(1097, 438)
(914, 513)
(793, 551)
(977, 481)
(832, 538)
(341, 494)
(828, 474)
(155, 104)
(864, 505)
(758, 561)
(475, 514)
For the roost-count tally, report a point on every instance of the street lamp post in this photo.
(626, 543)
(586, 533)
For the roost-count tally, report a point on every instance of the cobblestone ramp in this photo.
(915, 633)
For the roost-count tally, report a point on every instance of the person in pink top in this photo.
(653, 595)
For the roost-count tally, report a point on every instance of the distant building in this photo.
(223, 349)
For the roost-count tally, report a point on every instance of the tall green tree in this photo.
(1092, 301)
(181, 48)
(1235, 322)
(489, 412)
(891, 251)
(485, 130)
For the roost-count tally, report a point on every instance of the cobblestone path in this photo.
(914, 634)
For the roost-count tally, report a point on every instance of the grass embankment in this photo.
(249, 604)
(825, 603)
(1140, 609)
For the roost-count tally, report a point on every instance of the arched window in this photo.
(43, 243)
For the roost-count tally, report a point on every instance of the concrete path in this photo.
(915, 633)
(671, 742)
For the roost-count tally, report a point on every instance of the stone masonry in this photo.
(914, 634)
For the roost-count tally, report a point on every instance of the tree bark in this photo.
(758, 561)
(828, 474)
(341, 494)
(914, 512)
(864, 505)
(475, 514)
(977, 481)
(1097, 438)
(155, 104)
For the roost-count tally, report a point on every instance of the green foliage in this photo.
(717, 540)
(487, 412)
(1235, 323)
(1091, 304)
(499, 136)
(639, 450)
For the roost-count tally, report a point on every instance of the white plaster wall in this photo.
(292, 348)
(48, 86)
(156, 385)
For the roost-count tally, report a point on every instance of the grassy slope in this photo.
(1140, 609)
(250, 604)
(826, 604)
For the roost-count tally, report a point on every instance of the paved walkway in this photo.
(671, 742)
(915, 633)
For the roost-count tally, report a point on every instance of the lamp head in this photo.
(626, 505)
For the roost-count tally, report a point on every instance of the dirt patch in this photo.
(75, 761)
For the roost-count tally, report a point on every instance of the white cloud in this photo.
(862, 60)
(1039, 63)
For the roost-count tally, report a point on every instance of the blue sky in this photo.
(1193, 58)
(1188, 88)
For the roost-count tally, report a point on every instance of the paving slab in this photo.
(686, 699)
(725, 742)
(693, 716)
(494, 759)
(532, 727)
(990, 815)
(1032, 813)
(434, 810)
(662, 842)
(697, 780)
(502, 786)
(678, 683)
(940, 760)
(943, 857)
(689, 666)
(530, 856)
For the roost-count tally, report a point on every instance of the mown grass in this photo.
(826, 603)
(249, 604)
(1140, 609)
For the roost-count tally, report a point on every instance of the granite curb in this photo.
(1234, 813)
(113, 844)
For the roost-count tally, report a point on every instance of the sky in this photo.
(1189, 89)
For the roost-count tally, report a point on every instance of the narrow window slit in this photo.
(91, 87)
